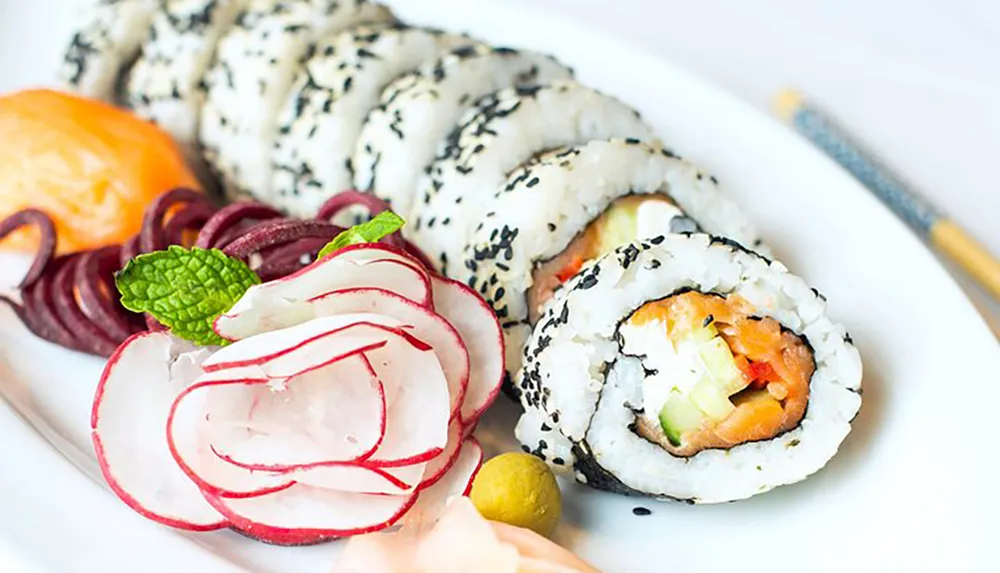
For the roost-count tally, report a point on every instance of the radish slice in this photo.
(187, 425)
(288, 342)
(424, 324)
(480, 330)
(440, 465)
(456, 482)
(394, 481)
(303, 514)
(277, 304)
(417, 394)
(293, 423)
(134, 396)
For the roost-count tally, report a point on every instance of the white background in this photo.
(918, 81)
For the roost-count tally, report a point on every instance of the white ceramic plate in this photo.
(913, 485)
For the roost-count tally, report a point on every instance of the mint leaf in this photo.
(381, 225)
(185, 289)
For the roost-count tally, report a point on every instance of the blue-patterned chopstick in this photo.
(920, 215)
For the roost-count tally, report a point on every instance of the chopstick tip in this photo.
(787, 102)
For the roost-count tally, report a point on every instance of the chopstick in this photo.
(922, 217)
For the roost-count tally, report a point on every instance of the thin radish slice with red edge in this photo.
(456, 482)
(137, 388)
(424, 324)
(277, 304)
(303, 514)
(333, 414)
(439, 466)
(419, 405)
(354, 331)
(414, 384)
(360, 479)
(480, 330)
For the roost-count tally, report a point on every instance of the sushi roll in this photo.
(104, 47)
(335, 88)
(585, 201)
(249, 79)
(399, 137)
(503, 131)
(687, 367)
(163, 83)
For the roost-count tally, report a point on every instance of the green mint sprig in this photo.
(185, 289)
(380, 226)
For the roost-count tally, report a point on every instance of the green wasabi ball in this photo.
(518, 489)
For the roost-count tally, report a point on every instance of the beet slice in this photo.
(94, 282)
(480, 330)
(287, 259)
(424, 324)
(137, 389)
(151, 234)
(357, 266)
(345, 199)
(230, 217)
(91, 338)
(47, 240)
(270, 233)
(191, 217)
(39, 303)
(130, 250)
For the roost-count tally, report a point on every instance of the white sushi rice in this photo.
(577, 382)
(106, 43)
(400, 135)
(334, 90)
(250, 78)
(503, 131)
(163, 83)
(569, 188)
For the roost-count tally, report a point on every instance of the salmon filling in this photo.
(717, 376)
(626, 219)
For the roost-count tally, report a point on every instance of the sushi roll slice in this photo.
(104, 47)
(416, 112)
(687, 367)
(249, 79)
(585, 201)
(335, 88)
(503, 131)
(163, 83)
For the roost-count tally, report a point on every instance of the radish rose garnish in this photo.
(341, 399)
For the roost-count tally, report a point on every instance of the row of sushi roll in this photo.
(653, 344)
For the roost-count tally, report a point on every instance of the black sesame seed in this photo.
(641, 511)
